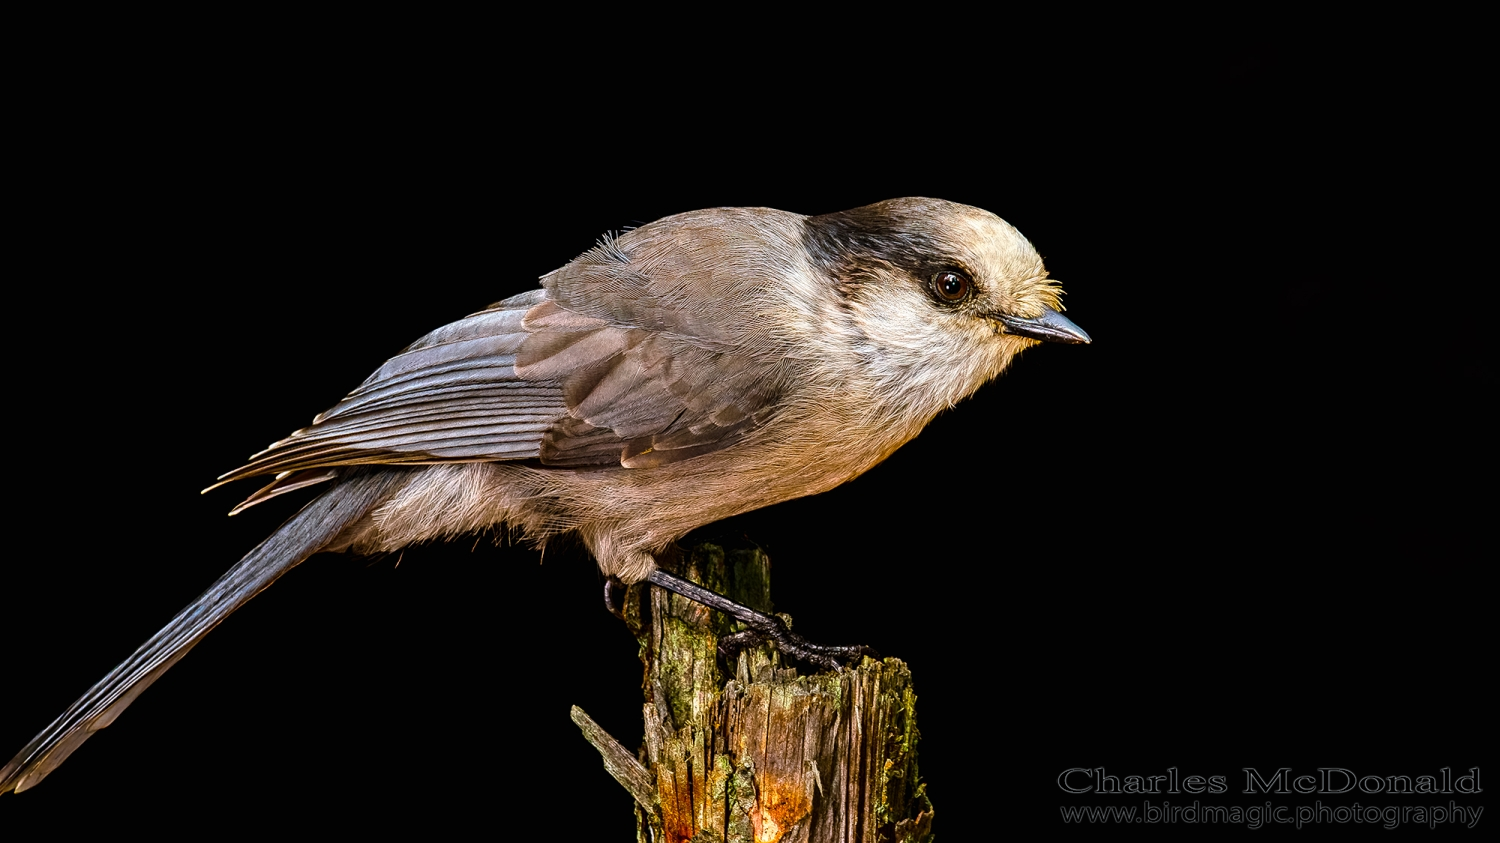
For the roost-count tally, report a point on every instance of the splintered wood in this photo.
(767, 756)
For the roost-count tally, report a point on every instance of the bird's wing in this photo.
(637, 397)
(530, 379)
(451, 396)
(663, 339)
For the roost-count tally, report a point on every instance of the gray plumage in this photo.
(695, 368)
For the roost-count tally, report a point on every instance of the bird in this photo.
(673, 375)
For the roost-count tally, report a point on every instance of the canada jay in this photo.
(680, 373)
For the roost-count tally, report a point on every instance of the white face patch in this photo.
(905, 338)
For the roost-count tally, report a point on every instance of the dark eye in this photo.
(951, 286)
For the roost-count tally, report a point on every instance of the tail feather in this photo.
(304, 534)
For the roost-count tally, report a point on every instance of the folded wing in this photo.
(529, 379)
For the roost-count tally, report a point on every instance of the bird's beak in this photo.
(1051, 326)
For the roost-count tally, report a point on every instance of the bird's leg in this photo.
(761, 627)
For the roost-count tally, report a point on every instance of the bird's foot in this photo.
(762, 627)
(790, 644)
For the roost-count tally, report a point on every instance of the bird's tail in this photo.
(304, 534)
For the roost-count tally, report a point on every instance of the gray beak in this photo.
(1051, 326)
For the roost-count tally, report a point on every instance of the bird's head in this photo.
(936, 297)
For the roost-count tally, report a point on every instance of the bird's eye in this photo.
(951, 286)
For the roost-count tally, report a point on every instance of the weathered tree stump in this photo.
(767, 754)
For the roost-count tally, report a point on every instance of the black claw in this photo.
(614, 597)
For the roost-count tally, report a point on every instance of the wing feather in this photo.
(637, 354)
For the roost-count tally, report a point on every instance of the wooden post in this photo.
(768, 754)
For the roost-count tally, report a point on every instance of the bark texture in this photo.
(765, 754)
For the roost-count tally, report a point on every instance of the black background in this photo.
(1241, 529)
